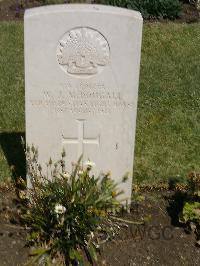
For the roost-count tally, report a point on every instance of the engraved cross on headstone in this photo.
(81, 140)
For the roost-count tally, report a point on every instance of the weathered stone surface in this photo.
(81, 77)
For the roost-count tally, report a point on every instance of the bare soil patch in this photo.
(161, 241)
(13, 250)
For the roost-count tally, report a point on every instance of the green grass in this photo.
(168, 128)
(11, 95)
(168, 124)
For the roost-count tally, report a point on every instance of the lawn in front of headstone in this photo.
(167, 134)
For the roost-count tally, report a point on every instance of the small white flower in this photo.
(59, 209)
(97, 246)
(80, 172)
(90, 164)
(66, 175)
(92, 234)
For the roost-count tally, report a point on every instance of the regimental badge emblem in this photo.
(83, 52)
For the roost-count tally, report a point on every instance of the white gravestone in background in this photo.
(81, 77)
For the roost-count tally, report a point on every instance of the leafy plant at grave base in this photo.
(190, 214)
(151, 8)
(51, 2)
(71, 215)
(136, 194)
(195, 3)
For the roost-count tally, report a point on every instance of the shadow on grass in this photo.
(11, 144)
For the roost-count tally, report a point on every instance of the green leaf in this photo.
(39, 251)
(75, 255)
(92, 251)
(73, 176)
(36, 260)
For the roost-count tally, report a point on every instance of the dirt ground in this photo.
(13, 250)
(161, 240)
(14, 10)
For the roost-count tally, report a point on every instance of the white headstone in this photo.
(81, 78)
